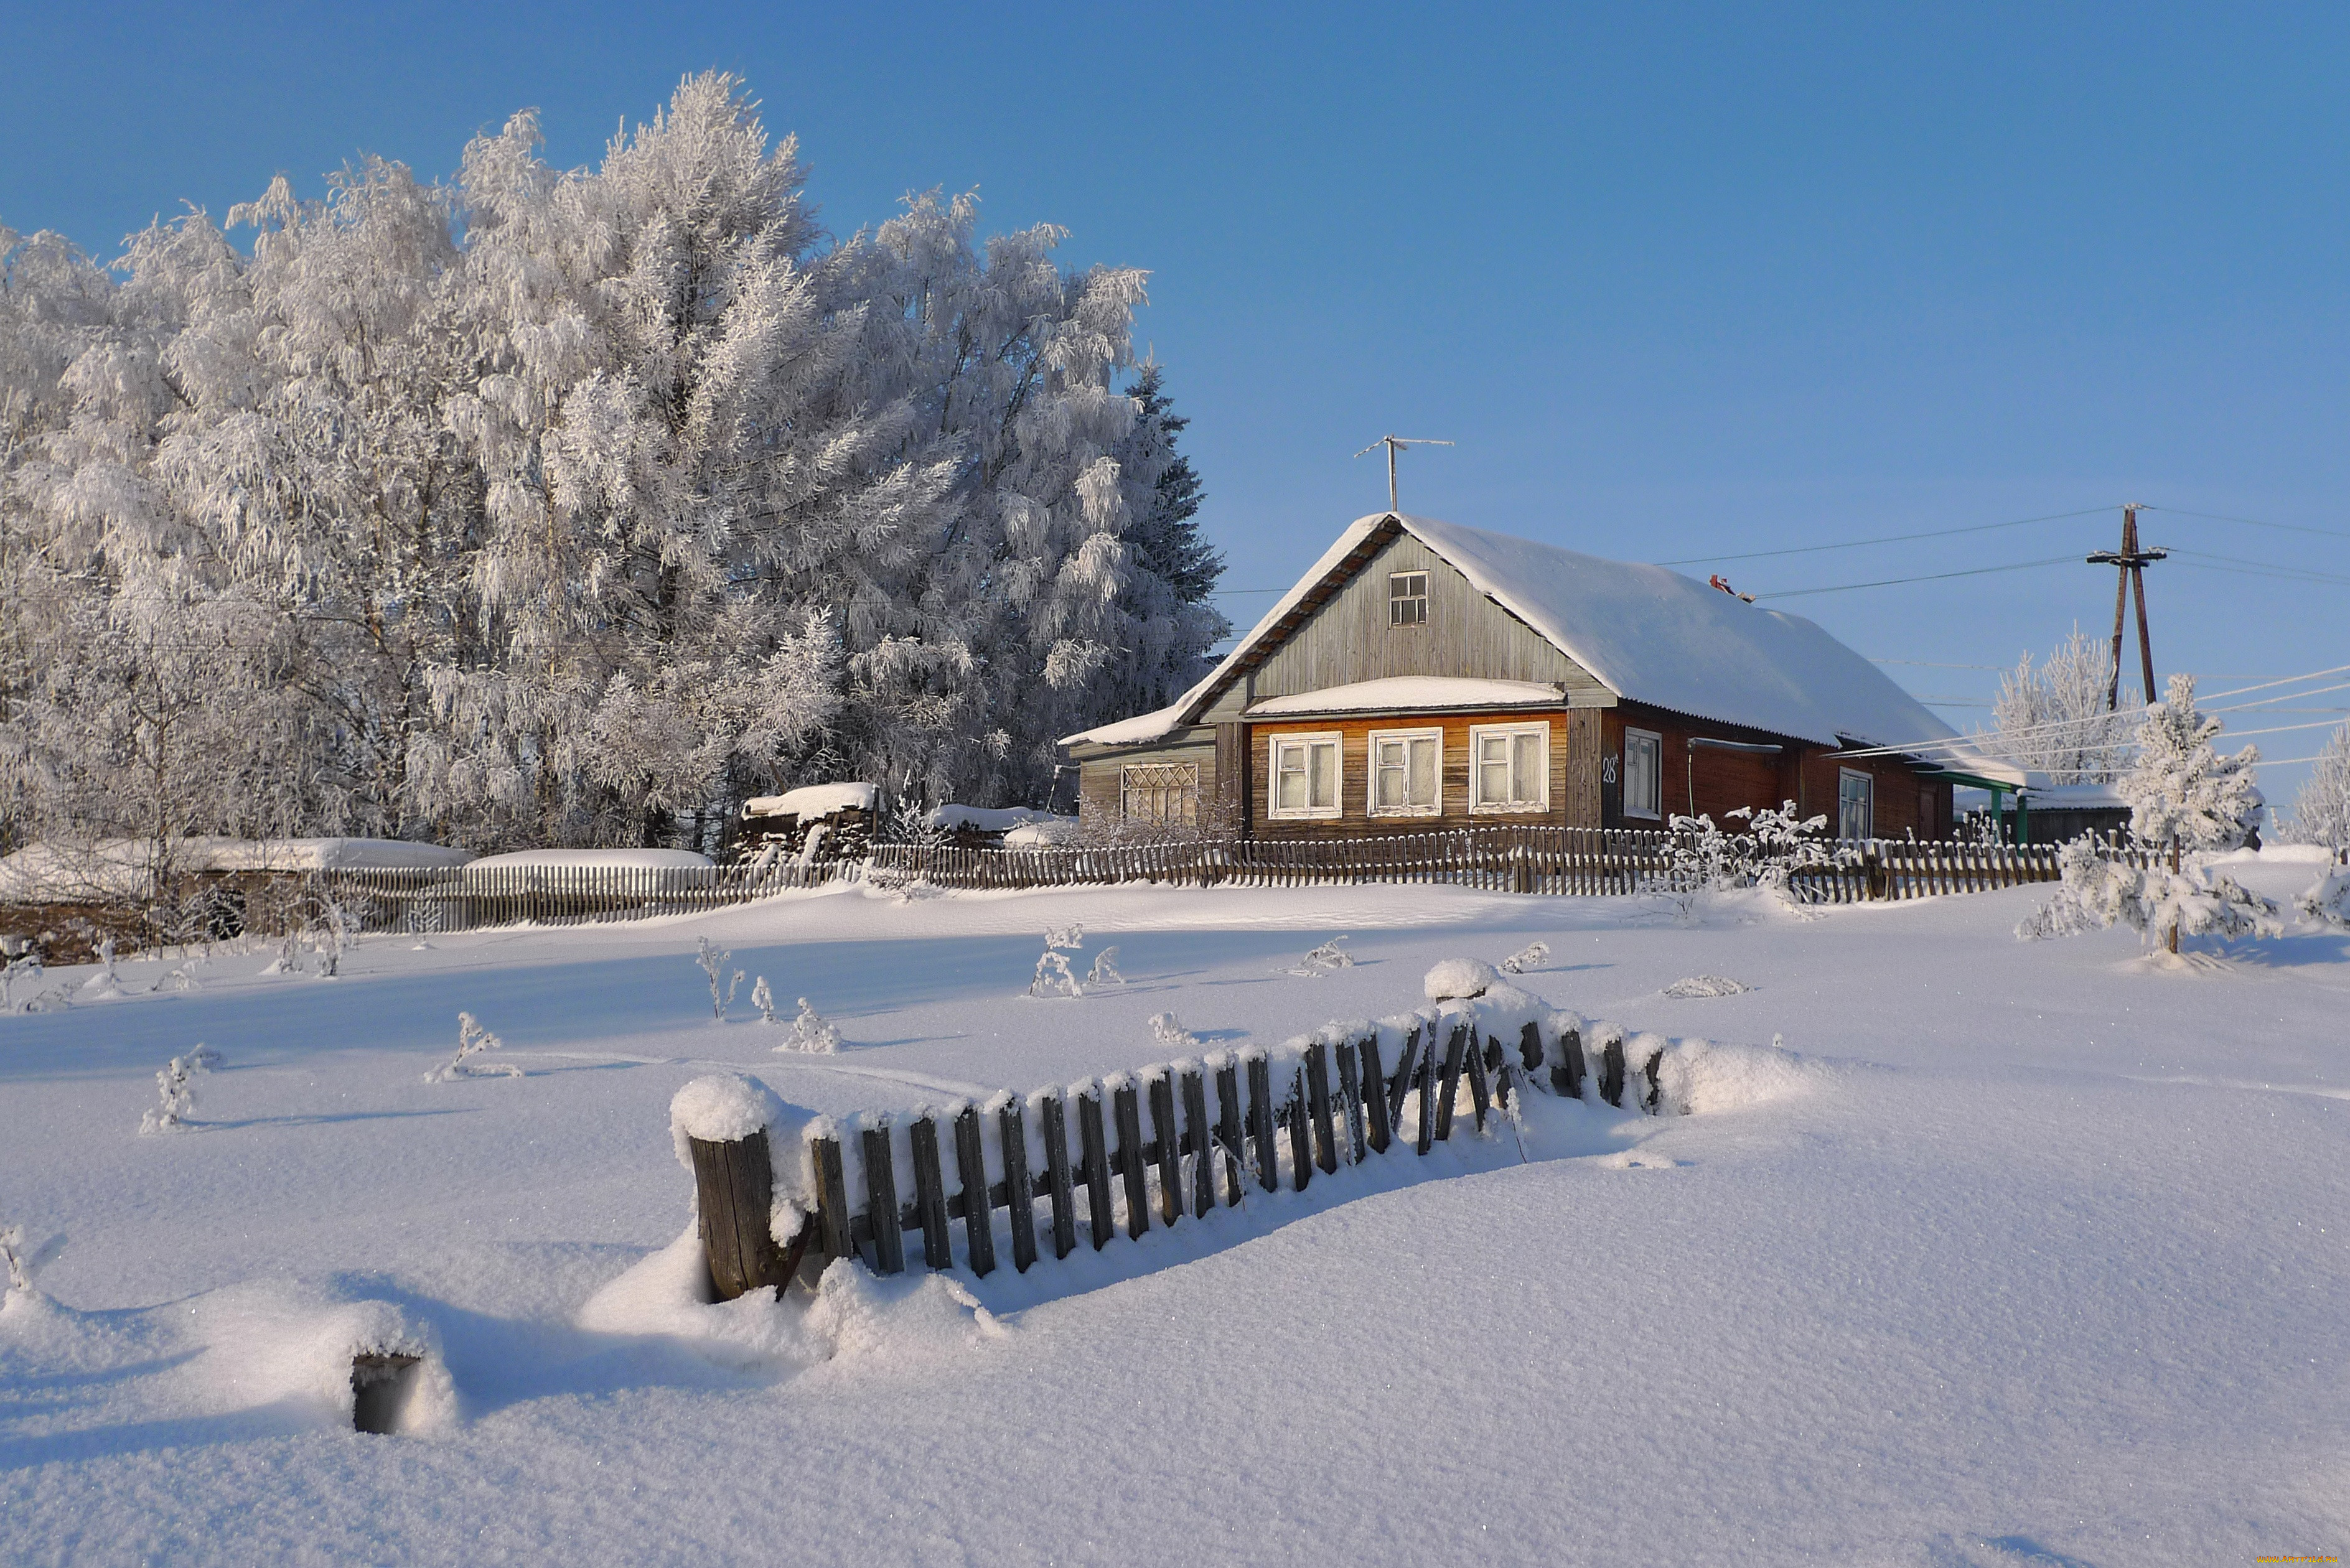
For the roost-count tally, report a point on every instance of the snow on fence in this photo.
(1179, 1138)
(1574, 861)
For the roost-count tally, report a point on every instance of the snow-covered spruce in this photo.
(175, 1087)
(811, 1032)
(472, 1041)
(2327, 902)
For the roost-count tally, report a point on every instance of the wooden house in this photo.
(1424, 675)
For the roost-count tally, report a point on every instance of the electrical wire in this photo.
(1889, 539)
(1928, 577)
(2254, 521)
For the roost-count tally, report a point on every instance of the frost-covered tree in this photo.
(2180, 792)
(2053, 719)
(2321, 811)
(572, 506)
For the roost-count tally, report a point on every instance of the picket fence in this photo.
(1215, 1128)
(1568, 861)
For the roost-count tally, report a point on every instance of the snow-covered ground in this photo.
(2023, 1253)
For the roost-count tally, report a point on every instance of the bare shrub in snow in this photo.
(24, 1259)
(1168, 1030)
(1054, 977)
(1104, 968)
(20, 971)
(764, 999)
(712, 962)
(176, 1086)
(1703, 859)
(812, 1031)
(1529, 957)
(472, 1041)
(1321, 960)
(1706, 985)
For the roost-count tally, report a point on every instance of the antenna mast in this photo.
(1394, 444)
(2131, 581)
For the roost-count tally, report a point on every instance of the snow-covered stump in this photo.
(734, 1185)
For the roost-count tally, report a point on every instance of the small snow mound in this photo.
(665, 1294)
(1698, 1078)
(903, 1318)
(1459, 977)
(1706, 985)
(720, 1108)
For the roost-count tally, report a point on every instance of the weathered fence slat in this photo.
(978, 1214)
(1350, 1100)
(1103, 1219)
(1455, 1049)
(1053, 1120)
(1300, 1154)
(1317, 1100)
(831, 1197)
(1227, 1124)
(931, 1194)
(1019, 1192)
(1482, 1059)
(1375, 1096)
(1201, 1138)
(1260, 1082)
(1171, 1148)
(881, 1203)
(1130, 1163)
(1567, 1065)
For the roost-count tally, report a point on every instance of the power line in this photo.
(2206, 562)
(2254, 521)
(1889, 539)
(1928, 577)
(1929, 664)
(2283, 680)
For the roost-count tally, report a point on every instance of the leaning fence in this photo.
(1156, 1144)
(1566, 861)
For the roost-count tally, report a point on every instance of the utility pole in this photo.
(2132, 561)
(1395, 444)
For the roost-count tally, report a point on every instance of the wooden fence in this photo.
(1214, 1129)
(1571, 861)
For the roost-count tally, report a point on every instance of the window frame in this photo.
(1478, 804)
(1371, 770)
(1305, 739)
(1419, 598)
(1646, 813)
(1868, 802)
(1170, 785)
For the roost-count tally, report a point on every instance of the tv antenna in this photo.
(1395, 444)
(2133, 562)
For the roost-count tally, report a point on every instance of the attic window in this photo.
(1408, 598)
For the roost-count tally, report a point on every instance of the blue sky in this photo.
(1684, 282)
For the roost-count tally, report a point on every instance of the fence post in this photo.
(735, 1191)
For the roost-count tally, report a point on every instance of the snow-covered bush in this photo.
(711, 961)
(472, 1041)
(1529, 957)
(764, 999)
(2321, 811)
(1331, 955)
(811, 1032)
(1703, 859)
(175, 1085)
(1104, 968)
(2327, 902)
(1699, 985)
(2098, 893)
(2181, 792)
(1054, 977)
(1167, 1031)
(25, 1259)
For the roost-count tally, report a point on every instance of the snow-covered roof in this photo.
(122, 867)
(599, 860)
(815, 800)
(1412, 694)
(1648, 634)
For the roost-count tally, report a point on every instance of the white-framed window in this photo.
(1408, 598)
(1508, 767)
(1644, 773)
(1163, 793)
(1305, 775)
(1406, 772)
(1856, 803)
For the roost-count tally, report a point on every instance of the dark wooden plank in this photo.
(1447, 1085)
(1567, 1065)
(881, 1203)
(1530, 1050)
(1652, 1070)
(1124, 1106)
(1317, 1102)
(1055, 1125)
(931, 1194)
(1228, 1127)
(1260, 1079)
(831, 1196)
(1382, 1131)
(1300, 1154)
(1424, 1080)
(1403, 1076)
(1350, 1100)
(1170, 1139)
(1100, 1213)
(978, 1214)
(1611, 1071)
(1482, 1060)
(1200, 1137)
(1019, 1191)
